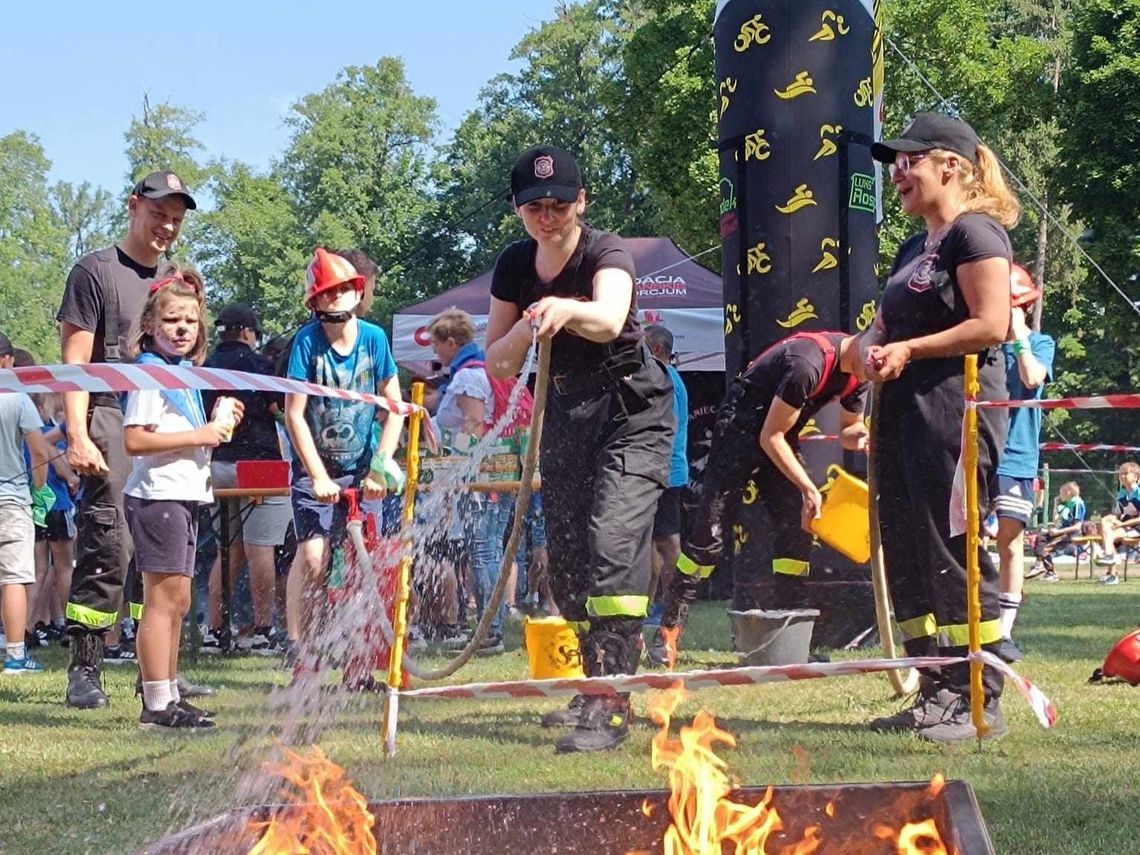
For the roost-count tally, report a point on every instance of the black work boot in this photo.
(604, 720)
(926, 708)
(567, 716)
(85, 672)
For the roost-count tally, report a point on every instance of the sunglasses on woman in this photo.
(905, 160)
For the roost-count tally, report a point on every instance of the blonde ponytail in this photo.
(984, 190)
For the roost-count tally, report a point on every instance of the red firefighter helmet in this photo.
(328, 270)
(1022, 289)
(1123, 661)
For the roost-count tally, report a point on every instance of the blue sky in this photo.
(73, 73)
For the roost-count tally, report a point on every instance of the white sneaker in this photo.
(211, 644)
(258, 644)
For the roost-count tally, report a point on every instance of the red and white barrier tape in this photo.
(745, 676)
(1086, 446)
(817, 437)
(1127, 401)
(104, 377)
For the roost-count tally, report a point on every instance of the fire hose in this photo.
(522, 504)
(903, 681)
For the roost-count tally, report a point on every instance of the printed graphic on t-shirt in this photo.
(342, 430)
(921, 279)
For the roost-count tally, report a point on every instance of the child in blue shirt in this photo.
(332, 438)
(1122, 522)
(1068, 520)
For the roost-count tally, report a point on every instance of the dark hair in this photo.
(230, 334)
(359, 259)
(22, 358)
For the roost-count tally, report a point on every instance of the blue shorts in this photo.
(1015, 500)
(316, 519)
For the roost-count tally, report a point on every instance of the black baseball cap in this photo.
(238, 316)
(545, 172)
(927, 131)
(6, 348)
(159, 185)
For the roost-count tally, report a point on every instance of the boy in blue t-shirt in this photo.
(332, 438)
(1028, 365)
(1068, 520)
(1122, 522)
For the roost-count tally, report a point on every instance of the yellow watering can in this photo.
(844, 523)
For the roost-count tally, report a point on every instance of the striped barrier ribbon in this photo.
(105, 377)
(1087, 446)
(1042, 707)
(1127, 401)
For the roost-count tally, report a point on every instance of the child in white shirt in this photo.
(169, 438)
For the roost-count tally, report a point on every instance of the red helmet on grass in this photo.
(1123, 661)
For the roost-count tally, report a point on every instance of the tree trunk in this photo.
(1039, 262)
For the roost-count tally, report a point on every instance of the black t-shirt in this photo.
(256, 436)
(791, 370)
(83, 297)
(515, 280)
(922, 294)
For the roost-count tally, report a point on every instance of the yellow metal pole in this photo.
(403, 588)
(973, 545)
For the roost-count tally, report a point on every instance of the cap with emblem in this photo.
(545, 172)
(159, 185)
(928, 131)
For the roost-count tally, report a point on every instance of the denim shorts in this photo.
(316, 519)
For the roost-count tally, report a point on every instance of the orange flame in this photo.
(331, 817)
(704, 818)
(671, 634)
(703, 815)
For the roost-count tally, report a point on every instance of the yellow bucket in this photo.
(844, 523)
(552, 649)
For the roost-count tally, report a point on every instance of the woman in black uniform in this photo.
(947, 296)
(609, 424)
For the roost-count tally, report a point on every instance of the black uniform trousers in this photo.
(919, 435)
(104, 547)
(739, 474)
(606, 448)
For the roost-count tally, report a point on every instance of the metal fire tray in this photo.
(614, 823)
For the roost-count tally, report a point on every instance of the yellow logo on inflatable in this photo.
(802, 85)
(752, 32)
(809, 427)
(865, 95)
(803, 311)
(758, 260)
(728, 85)
(731, 318)
(802, 198)
(827, 148)
(756, 147)
(828, 261)
(826, 33)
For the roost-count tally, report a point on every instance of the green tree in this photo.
(86, 213)
(1101, 134)
(251, 246)
(566, 93)
(667, 118)
(33, 258)
(358, 169)
(163, 137)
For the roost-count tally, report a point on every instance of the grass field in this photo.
(76, 782)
